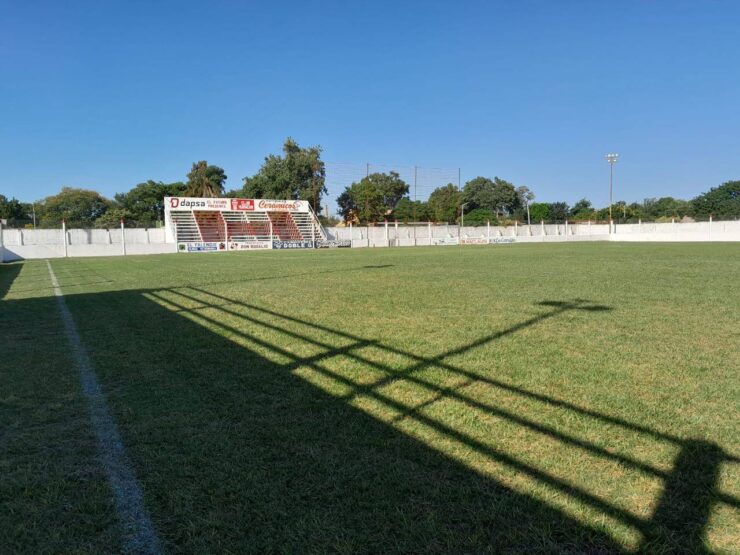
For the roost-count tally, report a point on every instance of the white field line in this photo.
(139, 535)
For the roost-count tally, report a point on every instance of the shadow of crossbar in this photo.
(700, 494)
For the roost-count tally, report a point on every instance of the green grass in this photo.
(514, 398)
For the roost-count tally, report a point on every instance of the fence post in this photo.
(271, 242)
(350, 234)
(429, 227)
(387, 237)
(566, 230)
(64, 237)
(639, 225)
(710, 229)
(589, 228)
(398, 240)
(488, 231)
(542, 223)
(123, 240)
(2, 248)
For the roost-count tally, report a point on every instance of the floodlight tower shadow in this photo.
(690, 488)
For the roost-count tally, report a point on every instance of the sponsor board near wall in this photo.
(502, 240)
(473, 241)
(201, 247)
(334, 244)
(292, 244)
(445, 241)
(249, 245)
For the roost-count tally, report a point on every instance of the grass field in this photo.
(508, 399)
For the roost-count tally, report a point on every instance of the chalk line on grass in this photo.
(139, 535)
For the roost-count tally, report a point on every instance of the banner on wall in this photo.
(334, 244)
(473, 241)
(249, 245)
(497, 240)
(201, 247)
(292, 244)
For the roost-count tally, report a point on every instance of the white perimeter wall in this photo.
(16, 244)
(380, 236)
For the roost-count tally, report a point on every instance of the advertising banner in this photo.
(249, 245)
(282, 205)
(292, 244)
(334, 244)
(473, 241)
(235, 204)
(200, 247)
(495, 240)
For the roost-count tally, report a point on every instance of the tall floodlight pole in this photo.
(612, 159)
(462, 214)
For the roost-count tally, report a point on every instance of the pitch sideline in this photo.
(139, 535)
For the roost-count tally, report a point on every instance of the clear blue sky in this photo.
(105, 94)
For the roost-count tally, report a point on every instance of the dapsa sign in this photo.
(201, 247)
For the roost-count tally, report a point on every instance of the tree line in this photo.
(299, 173)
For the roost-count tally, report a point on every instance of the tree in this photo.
(479, 193)
(665, 207)
(498, 195)
(112, 218)
(722, 201)
(299, 174)
(13, 210)
(407, 210)
(583, 210)
(77, 207)
(373, 197)
(540, 211)
(480, 216)
(559, 211)
(144, 204)
(205, 180)
(444, 203)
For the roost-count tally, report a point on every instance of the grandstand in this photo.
(218, 224)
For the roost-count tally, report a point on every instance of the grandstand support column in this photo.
(64, 237)
(123, 239)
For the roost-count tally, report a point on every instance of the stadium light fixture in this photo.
(612, 159)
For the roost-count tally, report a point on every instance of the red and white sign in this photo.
(242, 204)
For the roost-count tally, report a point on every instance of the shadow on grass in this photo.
(8, 273)
(238, 453)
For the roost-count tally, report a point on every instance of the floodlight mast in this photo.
(612, 159)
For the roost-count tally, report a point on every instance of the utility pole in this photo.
(612, 159)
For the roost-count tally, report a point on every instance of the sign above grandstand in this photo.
(235, 204)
